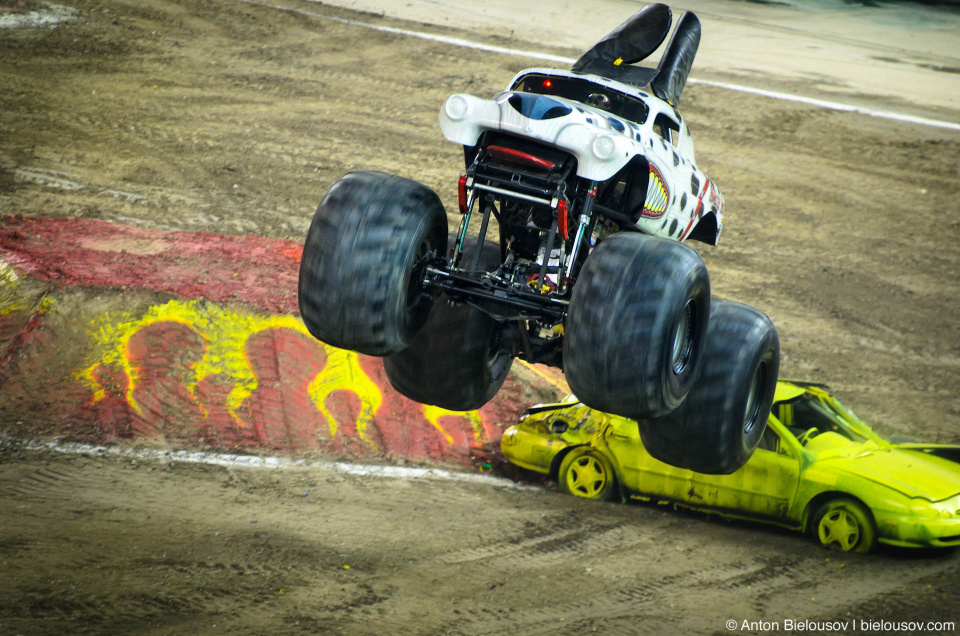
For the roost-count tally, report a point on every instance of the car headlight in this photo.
(457, 107)
(923, 508)
(603, 147)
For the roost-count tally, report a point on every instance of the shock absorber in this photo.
(466, 208)
(584, 221)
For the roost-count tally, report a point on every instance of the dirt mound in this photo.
(120, 333)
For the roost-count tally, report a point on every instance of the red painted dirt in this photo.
(148, 394)
(257, 271)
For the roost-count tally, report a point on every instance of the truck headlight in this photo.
(603, 147)
(457, 107)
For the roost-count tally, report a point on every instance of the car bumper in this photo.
(530, 449)
(917, 532)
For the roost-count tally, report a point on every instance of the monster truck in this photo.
(589, 178)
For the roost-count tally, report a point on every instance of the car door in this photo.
(764, 487)
(639, 472)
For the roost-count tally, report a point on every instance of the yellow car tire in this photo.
(588, 473)
(846, 523)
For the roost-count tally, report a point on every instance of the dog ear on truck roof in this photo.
(635, 40)
(675, 64)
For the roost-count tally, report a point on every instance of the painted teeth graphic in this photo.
(657, 195)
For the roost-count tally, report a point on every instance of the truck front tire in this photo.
(361, 273)
(636, 325)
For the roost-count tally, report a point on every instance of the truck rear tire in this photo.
(636, 325)
(456, 362)
(720, 424)
(361, 274)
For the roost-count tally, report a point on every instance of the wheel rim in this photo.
(415, 282)
(751, 413)
(840, 527)
(587, 477)
(682, 339)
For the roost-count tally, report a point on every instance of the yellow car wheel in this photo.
(589, 474)
(847, 524)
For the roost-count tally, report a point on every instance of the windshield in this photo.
(585, 92)
(810, 413)
(852, 420)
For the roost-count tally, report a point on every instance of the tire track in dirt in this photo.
(35, 485)
(745, 583)
(542, 548)
(218, 545)
(602, 608)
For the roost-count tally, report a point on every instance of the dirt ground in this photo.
(94, 545)
(233, 117)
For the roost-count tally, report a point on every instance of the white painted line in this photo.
(129, 196)
(48, 177)
(49, 16)
(822, 103)
(57, 179)
(256, 461)
(8, 275)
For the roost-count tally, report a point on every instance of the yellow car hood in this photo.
(912, 473)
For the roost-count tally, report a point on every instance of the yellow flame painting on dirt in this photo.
(225, 335)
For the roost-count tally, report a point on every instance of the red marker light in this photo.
(547, 83)
(462, 194)
(562, 223)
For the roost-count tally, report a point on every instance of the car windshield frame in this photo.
(843, 421)
(850, 418)
(580, 90)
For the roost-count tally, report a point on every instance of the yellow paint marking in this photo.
(556, 381)
(434, 413)
(225, 334)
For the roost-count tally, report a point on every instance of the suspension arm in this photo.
(466, 287)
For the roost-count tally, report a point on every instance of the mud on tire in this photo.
(456, 361)
(636, 325)
(720, 424)
(363, 260)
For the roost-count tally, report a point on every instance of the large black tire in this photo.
(720, 424)
(636, 326)
(456, 361)
(363, 262)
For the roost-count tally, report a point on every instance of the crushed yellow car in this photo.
(818, 469)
